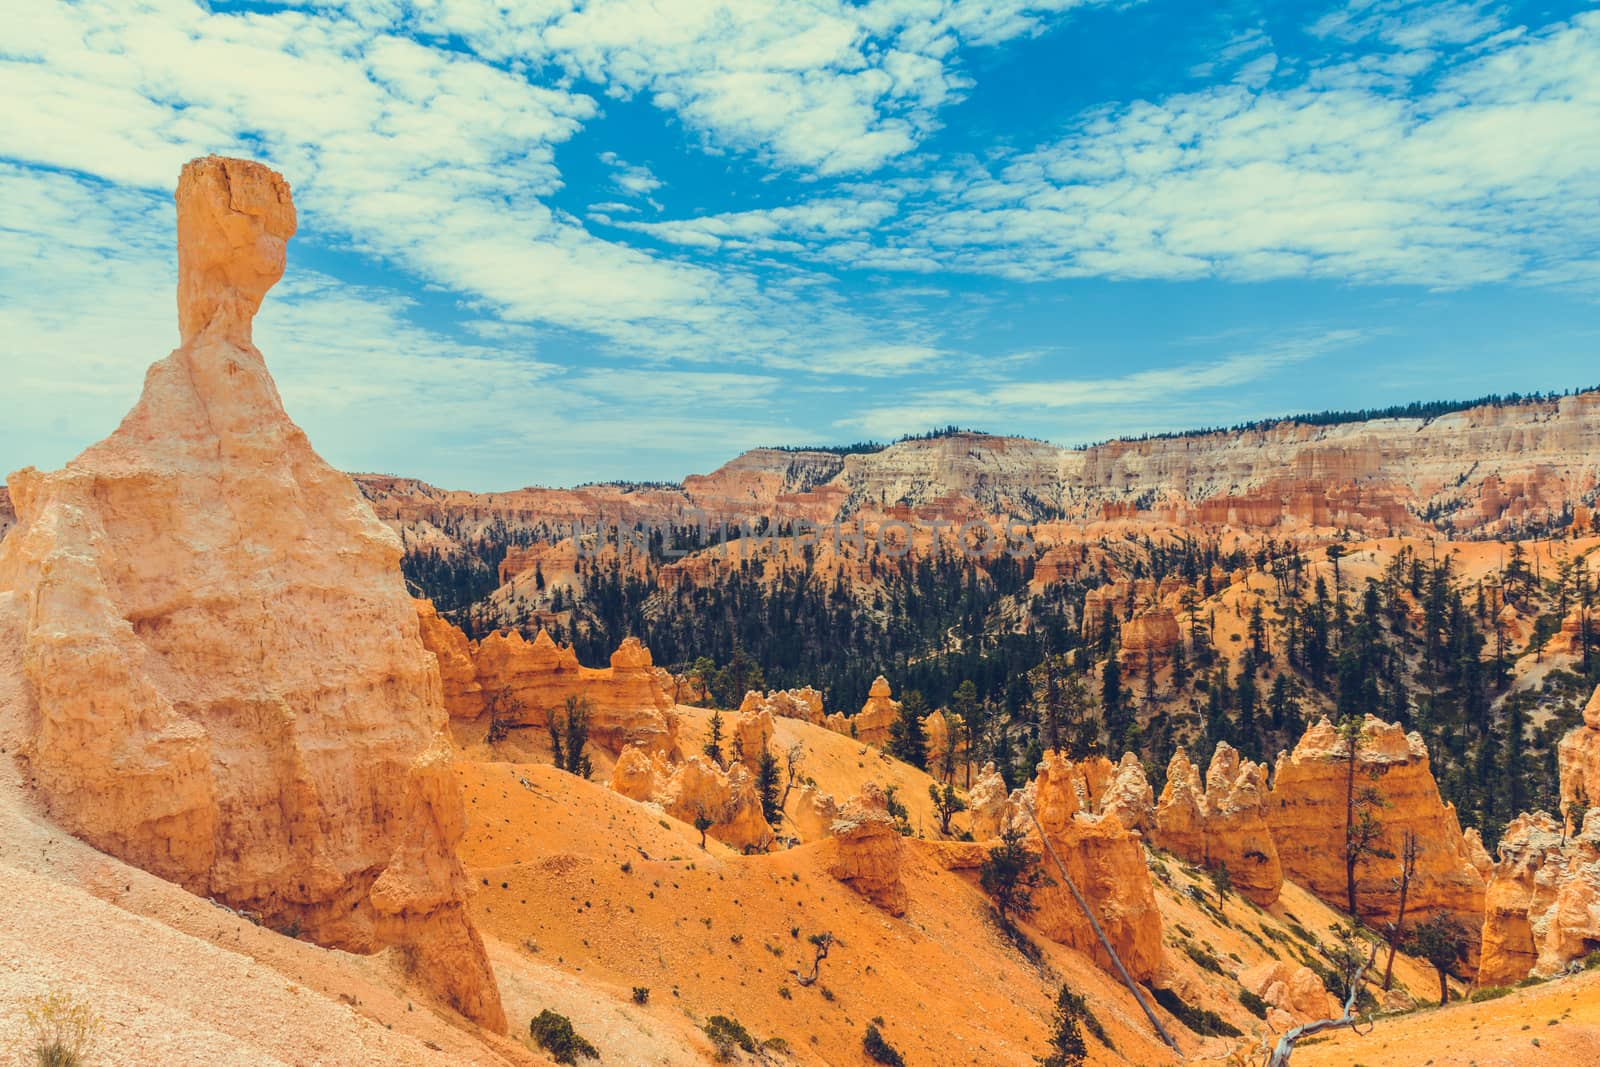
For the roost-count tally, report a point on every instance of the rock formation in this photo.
(1121, 790)
(8, 517)
(1306, 813)
(1106, 861)
(1222, 823)
(804, 704)
(463, 693)
(1147, 637)
(872, 722)
(1580, 765)
(750, 736)
(1543, 902)
(813, 813)
(1490, 467)
(867, 850)
(526, 681)
(694, 788)
(1292, 989)
(988, 804)
(221, 666)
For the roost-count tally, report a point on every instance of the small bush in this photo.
(1203, 958)
(878, 1049)
(728, 1034)
(641, 995)
(555, 1035)
(1257, 1006)
(1202, 1021)
(1494, 992)
(62, 1029)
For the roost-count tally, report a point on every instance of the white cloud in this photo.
(632, 179)
(1409, 24)
(830, 86)
(1491, 175)
(1152, 396)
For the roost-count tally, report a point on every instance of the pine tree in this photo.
(768, 786)
(1067, 1046)
(713, 746)
(908, 740)
(1010, 874)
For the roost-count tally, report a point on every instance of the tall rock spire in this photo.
(223, 681)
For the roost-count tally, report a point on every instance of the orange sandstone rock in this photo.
(988, 804)
(1580, 762)
(1106, 861)
(750, 737)
(221, 664)
(463, 693)
(1543, 901)
(1150, 636)
(1291, 988)
(694, 788)
(528, 681)
(867, 850)
(813, 813)
(1225, 822)
(804, 704)
(1306, 813)
(872, 722)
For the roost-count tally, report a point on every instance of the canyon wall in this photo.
(1487, 470)
(1306, 812)
(1579, 757)
(508, 678)
(1543, 909)
(1106, 862)
(223, 678)
(1222, 822)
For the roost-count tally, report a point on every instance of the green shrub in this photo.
(555, 1035)
(728, 1034)
(641, 995)
(1257, 1006)
(879, 1050)
(1203, 958)
(1494, 992)
(1202, 1021)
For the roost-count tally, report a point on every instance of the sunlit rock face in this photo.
(526, 682)
(222, 670)
(1580, 765)
(1221, 822)
(1106, 862)
(866, 850)
(1306, 813)
(1543, 908)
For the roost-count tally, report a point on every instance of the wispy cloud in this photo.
(1019, 403)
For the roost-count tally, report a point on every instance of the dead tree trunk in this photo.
(1285, 1047)
(1127, 979)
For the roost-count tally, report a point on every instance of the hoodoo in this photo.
(222, 677)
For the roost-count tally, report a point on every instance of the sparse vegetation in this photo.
(555, 1035)
(728, 1034)
(1067, 1047)
(1010, 874)
(1202, 1021)
(641, 995)
(62, 1030)
(877, 1047)
(1254, 1004)
(569, 735)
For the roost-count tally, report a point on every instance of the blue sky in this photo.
(627, 239)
